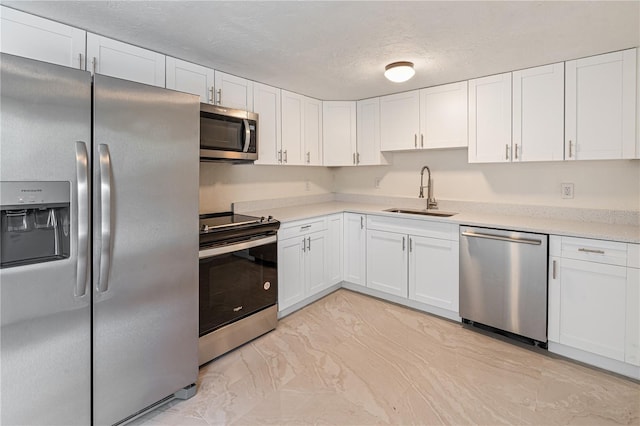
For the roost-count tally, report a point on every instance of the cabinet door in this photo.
(433, 272)
(292, 128)
(121, 60)
(291, 278)
(490, 119)
(632, 338)
(190, 78)
(355, 248)
(443, 116)
(316, 263)
(368, 133)
(233, 92)
(37, 38)
(400, 121)
(334, 249)
(538, 113)
(266, 102)
(387, 262)
(312, 132)
(592, 305)
(339, 133)
(600, 115)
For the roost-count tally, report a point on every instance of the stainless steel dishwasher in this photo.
(503, 281)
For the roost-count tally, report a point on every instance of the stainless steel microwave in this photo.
(228, 135)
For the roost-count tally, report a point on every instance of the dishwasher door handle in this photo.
(501, 238)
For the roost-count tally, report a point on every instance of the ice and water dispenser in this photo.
(35, 222)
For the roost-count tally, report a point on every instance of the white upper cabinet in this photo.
(37, 38)
(233, 92)
(266, 103)
(368, 133)
(538, 113)
(121, 60)
(292, 106)
(312, 131)
(490, 119)
(601, 107)
(443, 116)
(190, 78)
(339, 133)
(400, 121)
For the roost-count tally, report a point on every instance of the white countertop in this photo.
(572, 228)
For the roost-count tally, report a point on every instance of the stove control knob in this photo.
(262, 219)
(270, 218)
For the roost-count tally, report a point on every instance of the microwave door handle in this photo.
(247, 136)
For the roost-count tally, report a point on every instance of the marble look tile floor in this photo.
(350, 359)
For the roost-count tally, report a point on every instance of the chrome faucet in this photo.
(431, 202)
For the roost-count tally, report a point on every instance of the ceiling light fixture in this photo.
(399, 72)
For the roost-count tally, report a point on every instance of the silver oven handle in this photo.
(216, 251)
(82, 167)
(247, 136)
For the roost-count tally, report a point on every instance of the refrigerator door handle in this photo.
(82, 167)
(105, 218)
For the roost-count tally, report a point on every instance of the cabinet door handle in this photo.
(410, 245)
(211, 96)
(361, 222)
(309, 247)
(219, 96)
(553, 273)
(80, 60)
(516, 151)
(415, 140)
(570, 148)
(357, 158)
(506, 151)
(285, 155)
(94, 65)
(586, 250)
(421, 140)
(354, 158)
(308, 157)
(280, 156)
(403, 244)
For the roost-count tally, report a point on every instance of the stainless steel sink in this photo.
(421, 212)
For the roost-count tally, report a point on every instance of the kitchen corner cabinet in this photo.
(400, 121)
(355, 248)
(266, 103)
(121, 60)
(302, 261)
(339, 133)
(37, 38)
(368, 133)
(301, 130)
(594, 298)
(190, 78)
(443, 116)
(490, 119)
(600, 115)
(233, 92)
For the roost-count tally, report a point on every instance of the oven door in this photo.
(237, 280)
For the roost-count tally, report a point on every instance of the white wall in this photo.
(222, 184)
(598, 184)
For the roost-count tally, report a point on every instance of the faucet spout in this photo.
(431, 202)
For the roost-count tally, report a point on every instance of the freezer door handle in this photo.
(82, 167)
(105, 218)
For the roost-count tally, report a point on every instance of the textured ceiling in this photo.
(337, 50)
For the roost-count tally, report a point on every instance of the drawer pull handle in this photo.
(586, 250)
(305, 227)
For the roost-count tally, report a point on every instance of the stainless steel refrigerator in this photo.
(99, 209)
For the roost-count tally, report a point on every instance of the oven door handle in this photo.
(216, 251)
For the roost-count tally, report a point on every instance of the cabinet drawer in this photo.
(423, 228)
(293, 229)
(608, 252)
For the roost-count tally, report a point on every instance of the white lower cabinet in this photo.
(306, 259)
(416, 260)
(593, 303)
(355, 248)
(334, 248)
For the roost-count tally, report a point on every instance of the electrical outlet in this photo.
(307, 185)
(376, 182)
(566, 190)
